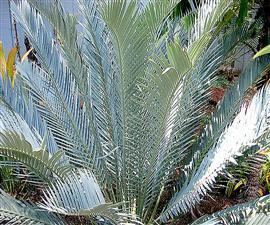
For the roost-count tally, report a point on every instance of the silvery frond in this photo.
(80, 194)
(13, 122)
(123, 91)
(14, 212)
(250, 213)
(250, 123)
(45, 166)
(64, 95)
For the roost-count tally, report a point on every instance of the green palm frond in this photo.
(194, 95)
(64, 26)
(18, 114)
(155, 124)
(208, 15)
(14, 212)
(190, 108)
(16, 148)
(134, 43)
(64, 102)
(44, 103)
(156, 13)
(12, 122)
(123, 91)
(251, 119)
(79, 194)
(63, 198)
(253, 212)
(104, 81)
(251, 159)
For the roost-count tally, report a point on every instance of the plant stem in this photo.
(156, 206)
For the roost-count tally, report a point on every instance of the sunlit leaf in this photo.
(240, 183)
(26, 54)
(179, 58)
(264, 51)
(2, 61)
(198, 46)
(10, 62)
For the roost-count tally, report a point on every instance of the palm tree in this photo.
(113, 111)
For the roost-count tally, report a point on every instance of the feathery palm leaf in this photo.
(14, 212)
(253, 212)
(16, 148)
(251, 119)
(80, 194)
(64, 103)
(125, 100)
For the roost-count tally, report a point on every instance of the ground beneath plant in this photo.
(218, 200)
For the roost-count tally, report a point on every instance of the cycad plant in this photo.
(113, 111)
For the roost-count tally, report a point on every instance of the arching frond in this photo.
(104, 84)
(125, 99)
(12, 122)
(230, 105)
(250, 213)
(133, 36)
(252, 123)
(19, 108)
(79, 194)
(209, 13)
(16, 148)
(188, 104)
(64, 25)
(66, 100)
(14, 212)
